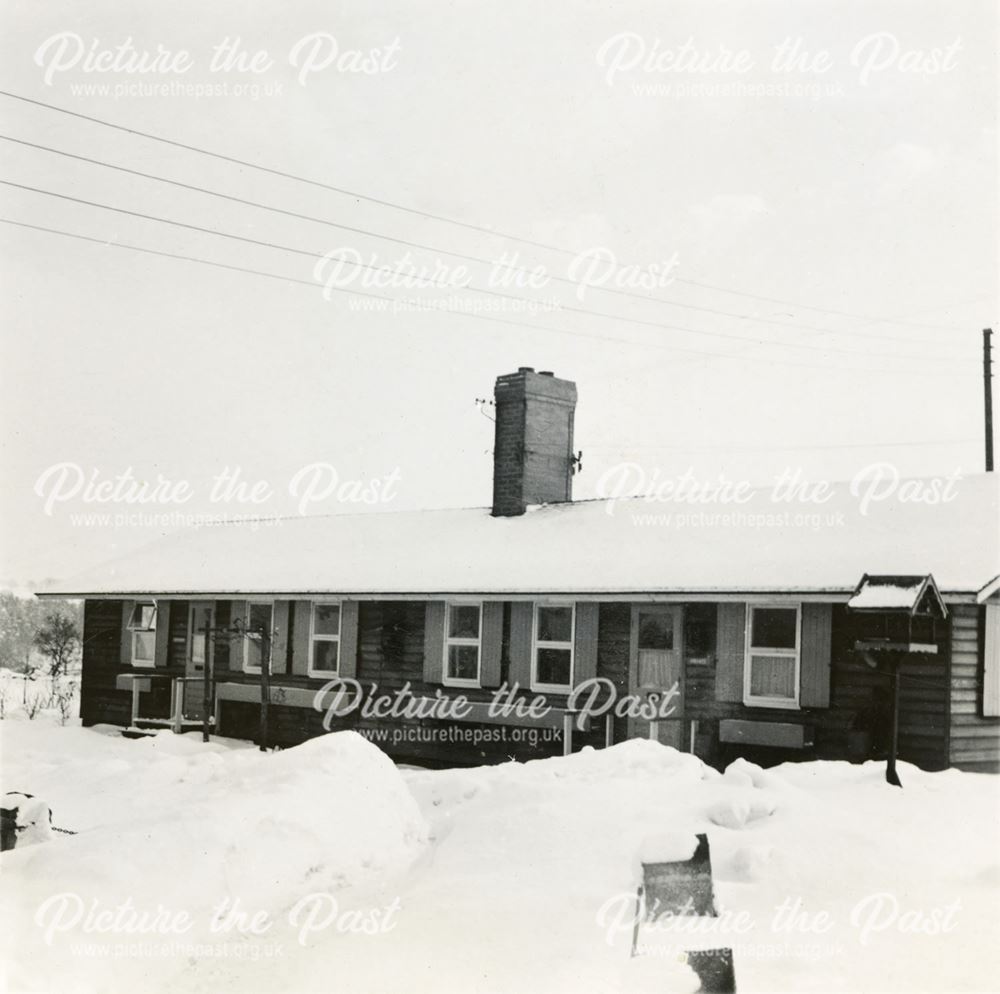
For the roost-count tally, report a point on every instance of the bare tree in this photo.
(58, 640)
(19, 623)
(34, 704)
(63, 699)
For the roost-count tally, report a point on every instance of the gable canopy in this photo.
(911, 595)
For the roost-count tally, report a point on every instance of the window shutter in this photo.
(348, 639)
(125, 651)
(434, 641)
(492, 643)
(731, 651)
(814, 668)
(991, 662)
(522, 620)
(279, 637)
(300, 638)
(585, 641)
(237, 647)
(162, 633)
(221, 648)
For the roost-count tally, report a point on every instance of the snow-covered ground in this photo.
(353, 875)
(39, 696)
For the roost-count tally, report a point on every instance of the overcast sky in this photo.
(864, 191)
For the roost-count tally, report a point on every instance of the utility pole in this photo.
(891, 776)
(988, 395)
(265, 684)
(206, 685)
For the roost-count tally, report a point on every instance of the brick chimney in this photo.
(533, 444)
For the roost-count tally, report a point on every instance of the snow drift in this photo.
(257, 830)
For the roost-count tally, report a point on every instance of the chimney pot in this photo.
(525, 369)
(546, 372)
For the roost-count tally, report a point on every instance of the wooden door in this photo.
(656, 669)
(198, 655)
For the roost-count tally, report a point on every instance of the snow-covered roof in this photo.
(897, 594)
(887, 595)
(585, 547)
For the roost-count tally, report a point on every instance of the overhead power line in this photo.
(444, 218)
(430, 215)
(490, 292)
(824, 310)
(459, 255)
(626, 447)
(461, 314)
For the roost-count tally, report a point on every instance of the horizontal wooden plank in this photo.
(969, 671)
(300, 697)
(965, 707)
(975, 755)
(783, 735)
(967, 623)
(479, 714)
(968, 727)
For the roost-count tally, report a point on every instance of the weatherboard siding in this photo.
(975, 740)
(391, 654)
(101, 702)
(390, 640)
(858, 695)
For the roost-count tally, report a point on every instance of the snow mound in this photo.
(663, 847)
(32, 818)
(749, 864)
(738, 812)
(634, 758)
(741, 772)
(667, 847)
(656, 975)
(262, 829)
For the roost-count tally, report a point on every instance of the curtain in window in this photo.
(772, 676)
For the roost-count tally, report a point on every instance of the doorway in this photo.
(201, 615)
(656, 669)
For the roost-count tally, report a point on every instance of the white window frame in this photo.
(449, 641)
(247, 668)
(536, 644)
(749, 651)
(991, 660)
(142, 664)
(314, 638)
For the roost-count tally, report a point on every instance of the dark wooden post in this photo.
(265, 684)
(891, 776)
(988, 396)
(206, 679)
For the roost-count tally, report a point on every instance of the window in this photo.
(699, 633)
(324, 639)
(462, 644)
(552, 659)
(142, 625)
(654, 648)
(258, 620)
(771, 673)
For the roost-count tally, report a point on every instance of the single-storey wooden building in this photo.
(752, 624)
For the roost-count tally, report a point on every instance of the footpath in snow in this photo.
(325, 867)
